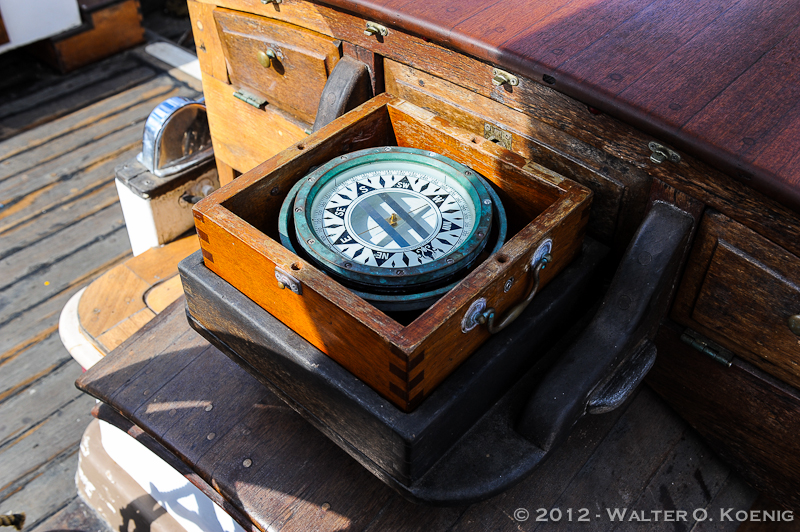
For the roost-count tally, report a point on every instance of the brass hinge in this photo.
(707, 347)
(252, 99)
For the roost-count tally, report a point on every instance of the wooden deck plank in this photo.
(70, 95)
(63, 192)
(76, 515)
(20, 412)
(628, 458)
(28, 366)
(47, 252)
(21, 186)
(545, 487)
(33, 290)
(30, 454)
(689, 478)
(73, 132)
(55, 219)
(47, 493)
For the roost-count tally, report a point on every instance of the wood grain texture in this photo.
(115, 305)
(206, 40)
(619, 188)
(740, 289)
(268, 130)
(236, 219)
(687, 74)
(298, 12)
(755, 433)
(295, 77)
(278, 471)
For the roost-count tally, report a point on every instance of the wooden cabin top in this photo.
(717, 79)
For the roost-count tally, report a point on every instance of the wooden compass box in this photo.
(238, 230)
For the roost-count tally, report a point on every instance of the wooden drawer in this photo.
(285, 64)
(740, 290)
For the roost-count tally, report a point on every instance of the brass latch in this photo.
(497, 135)
(373, 28)
(500, 77)
(661, 153)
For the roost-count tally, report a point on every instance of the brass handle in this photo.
(794, 324)
(265, 58)
(489, 315)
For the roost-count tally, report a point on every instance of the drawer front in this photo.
(740, 290)
(285, 64)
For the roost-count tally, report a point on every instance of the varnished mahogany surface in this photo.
(718, 79)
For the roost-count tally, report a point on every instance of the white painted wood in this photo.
(69, 330)
(27, 21)
(158, 220)
(183, 501)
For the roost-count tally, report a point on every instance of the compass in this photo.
(400, 226)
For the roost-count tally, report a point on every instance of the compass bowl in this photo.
(416, 290)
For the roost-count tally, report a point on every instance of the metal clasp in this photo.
(499, 77)
(661, 153)
(287, 281)
(373, 28)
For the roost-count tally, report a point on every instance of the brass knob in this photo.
(794, 324)
(265, 58)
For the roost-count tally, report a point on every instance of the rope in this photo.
(15, 520)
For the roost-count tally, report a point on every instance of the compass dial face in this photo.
(393, 216)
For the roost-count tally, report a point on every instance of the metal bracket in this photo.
(285, 280)
(661, 153)
(495, 134)
(474, 312)
(249, 98)
(373, 28)
(500, 77)
(707, 347)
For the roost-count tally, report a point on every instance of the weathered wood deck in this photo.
(60, 227)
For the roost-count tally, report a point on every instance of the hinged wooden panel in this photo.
(244, 136)
(740, 290)
(286, 64)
